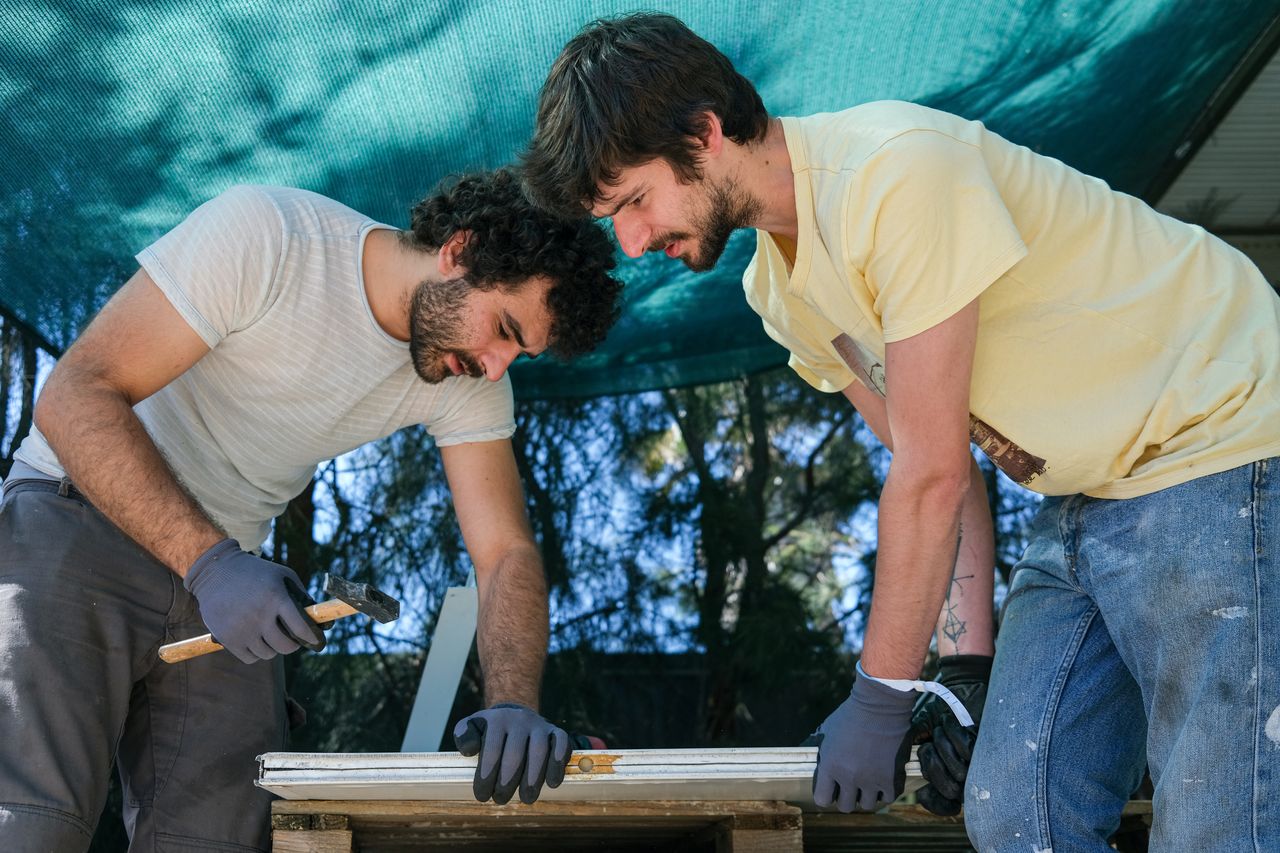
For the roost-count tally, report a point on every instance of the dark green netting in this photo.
(119, 117)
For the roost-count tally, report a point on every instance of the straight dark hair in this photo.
(625, 91)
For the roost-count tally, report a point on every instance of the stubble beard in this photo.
(729, 207)
(437, 313)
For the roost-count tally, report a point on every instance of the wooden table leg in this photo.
(762, 833)
(319, 833)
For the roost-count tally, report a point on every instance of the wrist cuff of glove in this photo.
(206, 560)
(907, 687)
(953, 668)
(868, 687)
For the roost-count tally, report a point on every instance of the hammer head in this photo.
(363, 597)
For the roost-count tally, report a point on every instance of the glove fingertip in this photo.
(558, 762)
(824, 790)
(933, 801)
(483, 786)
(468, 737)
(561, 745)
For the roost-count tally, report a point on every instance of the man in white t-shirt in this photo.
(273, 329)
(962, 290)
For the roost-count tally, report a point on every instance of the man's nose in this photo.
(632, 236)
(499, 359)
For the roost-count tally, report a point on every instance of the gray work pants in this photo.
(83, 610)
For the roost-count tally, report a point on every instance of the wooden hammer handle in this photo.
(325, 611)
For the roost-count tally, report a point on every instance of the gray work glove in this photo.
(252, 606)
(946, 747)
(517, 748)
(862, 748)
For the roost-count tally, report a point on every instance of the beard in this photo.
(437, 316)
(729, 208)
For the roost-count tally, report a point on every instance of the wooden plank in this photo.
(898, 814)
(765, 841)
(672, 826)
(311, 841)
(764, 833)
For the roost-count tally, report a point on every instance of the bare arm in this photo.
(136, 345)
(513, 630)
(965, 625)
(929, 490)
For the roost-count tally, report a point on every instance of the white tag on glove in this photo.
(906, 685)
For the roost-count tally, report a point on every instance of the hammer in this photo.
(347, 598)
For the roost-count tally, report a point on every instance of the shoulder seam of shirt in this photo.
(894, 138)
(285, 234)
(848, 189)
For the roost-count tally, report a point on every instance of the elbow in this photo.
(946, 492)
(48, 404)
(64, 395)
(939, 489)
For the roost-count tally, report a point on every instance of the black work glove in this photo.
(252, 606)
(946, 747)
(517, 748)
(862, 751)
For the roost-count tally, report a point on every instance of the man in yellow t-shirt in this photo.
(960, 289)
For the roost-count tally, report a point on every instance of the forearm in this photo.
(513, 628)
(966, 624)
(919, 526)
(111, 459)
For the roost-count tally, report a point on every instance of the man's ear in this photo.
(710, 138)
(449, 258)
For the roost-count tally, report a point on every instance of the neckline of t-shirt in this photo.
(365, 230)
(793, 135)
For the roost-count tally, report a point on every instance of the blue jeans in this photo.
(1139, 632)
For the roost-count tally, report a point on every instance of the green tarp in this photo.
(117, 118)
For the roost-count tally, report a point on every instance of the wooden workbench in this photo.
(674, 801)
(723, 826)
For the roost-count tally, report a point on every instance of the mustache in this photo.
(469, 365)
(665, 240)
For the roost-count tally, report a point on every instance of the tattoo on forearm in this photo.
(954, 627)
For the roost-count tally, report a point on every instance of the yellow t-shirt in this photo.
(1119, 351)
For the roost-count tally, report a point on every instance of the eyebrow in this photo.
(626, 199)
(516, 332)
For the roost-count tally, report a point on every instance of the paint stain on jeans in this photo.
(1272, 728)
(1231, 612)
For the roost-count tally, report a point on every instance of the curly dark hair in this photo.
(511, 241)
(625, 91)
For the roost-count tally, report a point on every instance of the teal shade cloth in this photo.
(120, 117)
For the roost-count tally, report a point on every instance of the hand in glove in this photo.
(252, 606)
(946, 747)
(517, 748)
(863, 750)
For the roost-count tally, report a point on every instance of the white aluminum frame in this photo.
(769, 773)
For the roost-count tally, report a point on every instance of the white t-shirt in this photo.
(298, 372)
